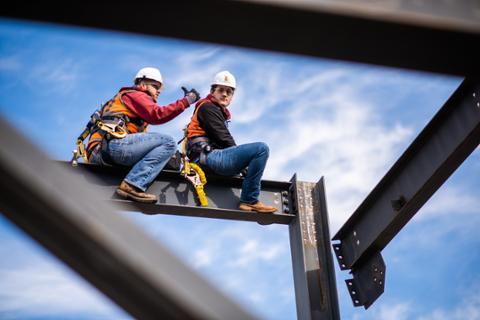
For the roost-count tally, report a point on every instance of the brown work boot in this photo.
(258, 207)
(130, 192)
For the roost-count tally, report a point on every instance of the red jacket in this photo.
(143, 105)
(134, 103)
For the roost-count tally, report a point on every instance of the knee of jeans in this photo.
(170, 144)
(263, 148)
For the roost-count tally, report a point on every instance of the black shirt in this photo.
(213, 120)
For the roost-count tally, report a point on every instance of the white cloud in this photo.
(468, 309)
(453, 200)
(44, 289)
(399, 311)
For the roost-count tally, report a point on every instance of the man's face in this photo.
(152, 87)
(223, 95)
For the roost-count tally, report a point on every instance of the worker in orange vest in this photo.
(121, 137)
(210, 143)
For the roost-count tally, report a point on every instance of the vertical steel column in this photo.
(313, 270)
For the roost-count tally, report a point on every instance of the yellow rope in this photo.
(190, 169)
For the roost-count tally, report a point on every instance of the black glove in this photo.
(192, 95)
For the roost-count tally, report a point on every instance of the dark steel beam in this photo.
(404, 34)
(69, 218)
(450, 137)
(313, 270)
(177, 196)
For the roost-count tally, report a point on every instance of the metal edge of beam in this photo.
(442, 146)
(201, 212)
(312, 261)
(278, 28)
(174, 175)
(71, 221)
(177, 195)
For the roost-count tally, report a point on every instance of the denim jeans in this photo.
(232, 160)
(148, 153)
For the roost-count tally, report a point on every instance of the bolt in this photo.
(340, 257)
(357, 302)
(358, 242)
(375, 279)
(349, 283)
(353, 292)
(474, 94)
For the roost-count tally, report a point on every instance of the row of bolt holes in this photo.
(478, 103)
(338, 248)
(374, 280)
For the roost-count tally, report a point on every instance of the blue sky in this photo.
(347, 122)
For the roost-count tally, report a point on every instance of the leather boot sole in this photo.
(130, 196)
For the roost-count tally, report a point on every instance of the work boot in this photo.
(258, 207)
(130, 192)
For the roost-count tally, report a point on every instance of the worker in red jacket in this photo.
(210, 143)
(121, 139)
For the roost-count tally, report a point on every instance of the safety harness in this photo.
(113, 120)
(193, 173)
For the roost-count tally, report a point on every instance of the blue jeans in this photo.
(147, 152)
(232, 160)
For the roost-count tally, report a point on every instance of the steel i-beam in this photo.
(312, 260)
(176, 195)
(71, 219)
(438, 36)
(448, 139)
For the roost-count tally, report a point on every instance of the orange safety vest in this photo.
(194, 129)
(116, 108)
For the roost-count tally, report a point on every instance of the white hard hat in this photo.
(224, 78)
(149, 73)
